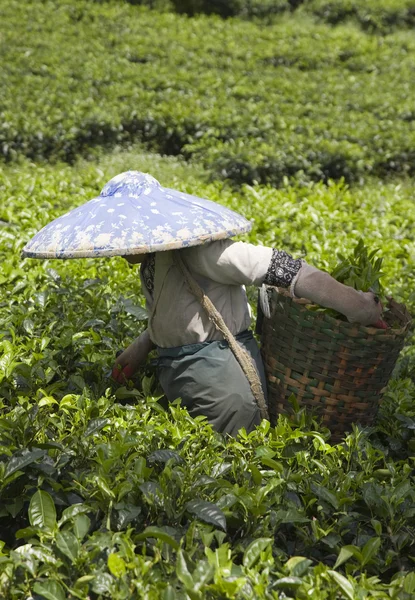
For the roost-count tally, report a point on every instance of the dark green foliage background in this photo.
(251, 101)
(104, 491)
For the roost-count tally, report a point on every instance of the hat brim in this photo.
(160, 219)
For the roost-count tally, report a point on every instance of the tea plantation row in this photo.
(372, 15)
(251, 101)
(106, 494)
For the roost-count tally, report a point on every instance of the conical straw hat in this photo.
(134, 214)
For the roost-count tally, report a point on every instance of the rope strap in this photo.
(241, 355)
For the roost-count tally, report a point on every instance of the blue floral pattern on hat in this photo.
(134, 214)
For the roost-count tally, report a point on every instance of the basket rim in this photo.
(303, 304)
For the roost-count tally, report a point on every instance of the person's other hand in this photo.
(129, 361)
(125, 366)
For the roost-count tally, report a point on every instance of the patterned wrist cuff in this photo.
(283, 269)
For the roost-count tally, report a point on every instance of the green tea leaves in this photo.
(21, 460)
(42, 512)
(360, 269)
(116, 565)
(51, 590)
(68, 544)
(207, 512)
(344, 584)
(253, 551)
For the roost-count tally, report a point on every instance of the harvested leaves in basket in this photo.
(360, 269)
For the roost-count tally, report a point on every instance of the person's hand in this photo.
(367, 310)
(123, 368)
(129, 361)
(381, 324)
(319, 287)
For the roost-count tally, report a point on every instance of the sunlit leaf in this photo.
(68, 544)
(21, 460)
(42, 512)
(116, 565)
(207, 512)
(183, 572)
(370, 550)
(253, 551)
(51, 590)
(96, 425)
(344, 584)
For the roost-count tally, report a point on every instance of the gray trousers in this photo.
(210, 382)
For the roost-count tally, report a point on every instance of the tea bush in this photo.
(372, 15)
(232, 8)
(251, 102)
(107, 493)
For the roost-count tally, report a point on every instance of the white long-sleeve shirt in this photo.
(222, 269)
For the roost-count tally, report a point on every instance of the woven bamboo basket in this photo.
(337, 369)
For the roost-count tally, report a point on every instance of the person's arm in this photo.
(129, 361)
(238, 263)
(321, 288)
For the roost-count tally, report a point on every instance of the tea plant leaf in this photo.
(207, 512)
(372, 494)
(162, 456)
(183, 572)
(21, 460)
(81, 525)
(14, 507)
(290, 583)
(253, 551)
(291, 516)
(136, 311)
(104, 487)
(68, 544)
(345, 553)
(26, 532)
(51, 590)
(160, 534)
(126, 513)
(409, 583)
(298, 565)
(102, 583)
(324, 494)
(403, 489)
(47, 401)
(152, 492)
(220, 469)
(203, 573)
(72, 511)
(272, 464)
(169, 593)
(116, 565)
(344, 584)
(96, 425)
(28, 326)
(82, 580)
(370, 549)
(42, 512)
(377, 526)
(256, 474)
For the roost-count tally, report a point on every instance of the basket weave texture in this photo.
(337, 369)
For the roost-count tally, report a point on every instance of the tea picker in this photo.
(193, 278)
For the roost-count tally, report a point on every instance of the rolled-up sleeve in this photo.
(239, 263)
(229, 262)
